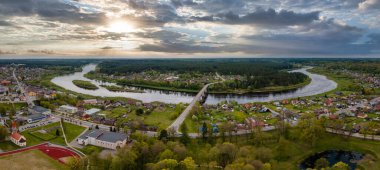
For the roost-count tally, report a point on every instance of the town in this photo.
(43, 116)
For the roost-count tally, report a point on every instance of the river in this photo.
(319, 84)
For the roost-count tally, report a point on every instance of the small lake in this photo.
(333, 156)
(319, 84)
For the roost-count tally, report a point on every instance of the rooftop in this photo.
(105, 135)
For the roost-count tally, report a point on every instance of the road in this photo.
(181, 118)
(21, 87)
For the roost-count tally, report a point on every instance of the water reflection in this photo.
(319, 84)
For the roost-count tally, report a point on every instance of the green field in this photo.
(72, 131)
(8, 146)
(34, 136)
(160, 117)
(85, 84)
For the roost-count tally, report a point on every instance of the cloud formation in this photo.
(270, 27)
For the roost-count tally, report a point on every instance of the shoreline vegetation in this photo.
(232, 91)
(85, 84)
(121, 89)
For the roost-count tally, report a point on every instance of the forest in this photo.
(255, 73)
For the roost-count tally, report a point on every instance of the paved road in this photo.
(21, 87)
(181, 118)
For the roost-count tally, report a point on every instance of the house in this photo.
(329, 102)
(375, 101)
(5, 83)
(362, 115)
(18, 139)
(3, 90)
(104, 139)
(90, 101)
(39, 110)
(68, 109)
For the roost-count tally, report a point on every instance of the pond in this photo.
(333, 156)
(319, 84)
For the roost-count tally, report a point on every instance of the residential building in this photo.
(90, 101)
(18, 139)
(68, 109)
(105, 139)
(39, 110)
(92, 111)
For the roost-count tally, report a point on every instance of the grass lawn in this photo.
(161, 118)
(89, 149)
(32, 159)
(8, 146)
(33, 138)
(72, 131)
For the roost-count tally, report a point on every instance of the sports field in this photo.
(30, 160)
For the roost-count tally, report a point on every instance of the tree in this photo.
(167, 154)
(185, 139)
(188, 163)
(96, 127)
(139, 111)
(267, 166)
(310, 128)
(321, 163)
(57, 133)
(163, 135)
(364, 130)
(166, 164)
(224, 153)
(3, 133)
(373, 128)
(340, 166)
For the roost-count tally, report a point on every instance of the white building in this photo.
(18, 139)
(105, 139)
(92, 111)
(68, 109)
(90, 101)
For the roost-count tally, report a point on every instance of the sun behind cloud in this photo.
(120, 26)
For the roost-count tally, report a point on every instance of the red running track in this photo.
(53, 151)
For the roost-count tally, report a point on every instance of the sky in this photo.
(190, 28)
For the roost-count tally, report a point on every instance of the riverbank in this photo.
(315, 85)
(121, 89)
(272, 89)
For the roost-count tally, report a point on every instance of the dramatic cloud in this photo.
(119, 27)
(370, 4)
(55, 10)
(270, 18)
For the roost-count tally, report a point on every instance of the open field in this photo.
(48, 134)
(72, 131)
(30, 160)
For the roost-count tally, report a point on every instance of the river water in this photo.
(319, 84)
